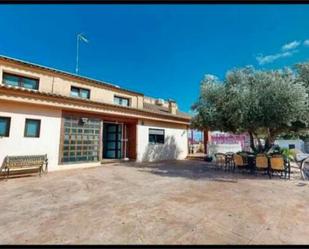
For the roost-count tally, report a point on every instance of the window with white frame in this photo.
(80, 92)
(121, 101)
(156, 136)
(20, 81)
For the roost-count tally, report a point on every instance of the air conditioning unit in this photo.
(159, 101)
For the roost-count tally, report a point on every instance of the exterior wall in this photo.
(175, 146)
(16, 144)
(131, 136)
(299, 144)
(213, 148)
(53, 83)
(46, 80)
(140, 102)
(20, 105)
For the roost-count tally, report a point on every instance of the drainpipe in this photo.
(53, 84)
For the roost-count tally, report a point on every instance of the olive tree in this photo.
(262, 103)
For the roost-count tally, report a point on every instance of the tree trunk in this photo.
(270, 139)
(252, 145)
(260, 146)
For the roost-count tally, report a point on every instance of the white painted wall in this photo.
(16, 144)
(284, 143)
(213, 148)
(175, 146)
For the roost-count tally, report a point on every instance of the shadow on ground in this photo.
(157, 152)
(198, 170)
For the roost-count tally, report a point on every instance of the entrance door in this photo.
(112, 145)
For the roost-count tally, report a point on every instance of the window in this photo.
(32, 128)
(80, 92)
(156, 136)
(20, 81)
(5, 123)
(121, 101)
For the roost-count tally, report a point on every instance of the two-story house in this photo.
(78, 121)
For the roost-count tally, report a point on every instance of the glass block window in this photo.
(81, 140)
(20, 81)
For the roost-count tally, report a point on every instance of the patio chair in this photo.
(220, 160)
(261, 163)
(279, 165)
(239, 163)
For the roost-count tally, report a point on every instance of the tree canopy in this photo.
(263, 103)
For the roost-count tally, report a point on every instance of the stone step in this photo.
(199, 158)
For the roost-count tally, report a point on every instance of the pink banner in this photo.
(227, 138)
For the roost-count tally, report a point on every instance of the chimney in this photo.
(172, 106)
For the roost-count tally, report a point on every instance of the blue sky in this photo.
(159, 50)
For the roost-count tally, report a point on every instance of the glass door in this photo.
(112, 141)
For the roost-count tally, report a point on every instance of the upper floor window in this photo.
(156, 136)
(80, 92)
(121, 101)
(20, 81)
(5, 123)
(32, 128)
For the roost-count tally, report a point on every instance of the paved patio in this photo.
(159, 203)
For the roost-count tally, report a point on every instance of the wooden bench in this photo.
(25, 163)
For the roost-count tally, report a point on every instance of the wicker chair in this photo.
(240, 163)
(261, 163)
(278, 165)
(220, 160)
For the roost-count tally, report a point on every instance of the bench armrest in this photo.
(46, 165)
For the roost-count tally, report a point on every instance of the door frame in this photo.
(116, 141)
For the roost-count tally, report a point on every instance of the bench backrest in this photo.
(25, 161)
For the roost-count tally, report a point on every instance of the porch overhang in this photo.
(13, 94)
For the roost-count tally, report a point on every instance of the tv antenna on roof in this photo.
(80, 37)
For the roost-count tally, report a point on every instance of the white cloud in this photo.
(272, 57)
(210, 77)
(306, 43)
(290, 46)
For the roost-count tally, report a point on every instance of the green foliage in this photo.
(303, 73)
(263, 103)
(287, 153)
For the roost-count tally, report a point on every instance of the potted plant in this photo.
(288, 154)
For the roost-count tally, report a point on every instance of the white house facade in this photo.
(80, 122)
